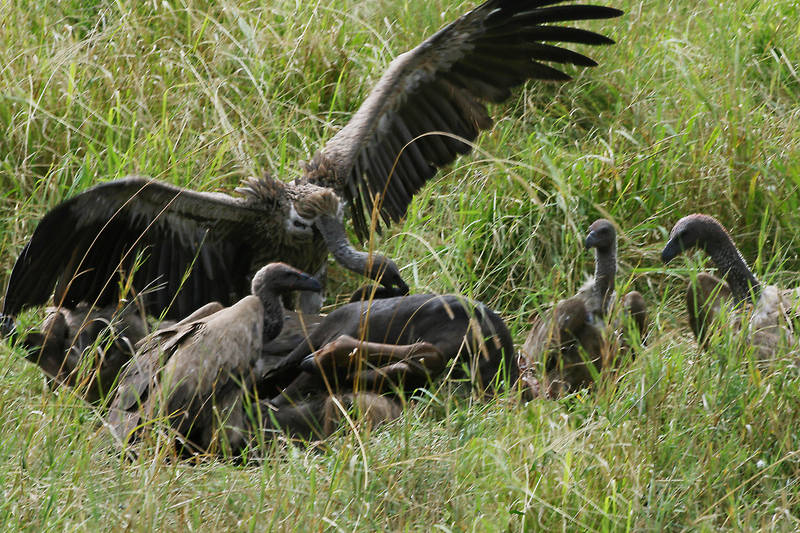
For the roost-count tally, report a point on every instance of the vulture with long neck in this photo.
(197, 373)
(765, 314)
(85, 347)
(194, 247)
(566, 350)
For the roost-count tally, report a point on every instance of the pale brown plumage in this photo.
(196, 373)
(378, 161)
(765, 315)
(567, 349)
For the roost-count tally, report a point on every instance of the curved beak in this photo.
(305, 282)
(672, 250)
(592, 240)
(378, 267)
(387, 274)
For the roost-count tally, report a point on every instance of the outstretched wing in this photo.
(442, 86)
(83, 244)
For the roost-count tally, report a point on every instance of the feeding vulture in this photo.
(85, 347)
(425, 110)
(196, 373)
(765, 314)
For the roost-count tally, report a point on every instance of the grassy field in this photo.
(697, 108)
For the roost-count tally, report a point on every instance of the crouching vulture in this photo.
(573, 344)
(425, 110)
(764, 314)
(197, 373)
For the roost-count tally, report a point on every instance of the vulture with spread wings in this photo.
(424, 111)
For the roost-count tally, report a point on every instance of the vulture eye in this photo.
(298, 224)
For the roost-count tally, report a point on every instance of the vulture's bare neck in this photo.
(332, 230)
(273, 313)
(729, 261)
(605, 270)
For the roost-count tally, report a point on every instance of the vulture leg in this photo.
(703, 301)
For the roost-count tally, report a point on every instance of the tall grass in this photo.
(695, 109)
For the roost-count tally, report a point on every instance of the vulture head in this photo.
(312, 208)
(701, 231)
(279, 277)
(706, 233)
(602, 236)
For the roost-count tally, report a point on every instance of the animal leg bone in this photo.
(347, 352)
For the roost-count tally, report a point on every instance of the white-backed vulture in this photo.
(566, 350)
(425, 110)
(196, 373)
(765, 314)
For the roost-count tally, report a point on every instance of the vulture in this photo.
(426, 110)
(86, 347)
(765, 314)
(197, 372)
(573, 344)
(395, 344)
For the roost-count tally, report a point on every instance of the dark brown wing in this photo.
(80, 245)
(442, 86)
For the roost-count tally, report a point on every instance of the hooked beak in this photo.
(307, 283)
(592, 240)
(671, 251)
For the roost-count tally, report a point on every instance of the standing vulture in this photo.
(196, 373)
(765, 314)
(425, 110)
(573, 344)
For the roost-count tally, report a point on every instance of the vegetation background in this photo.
(697, 108)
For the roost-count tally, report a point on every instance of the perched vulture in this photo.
(86, 347)
(197, 372)
(574, 344)
(765, 315)
(425, 110)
